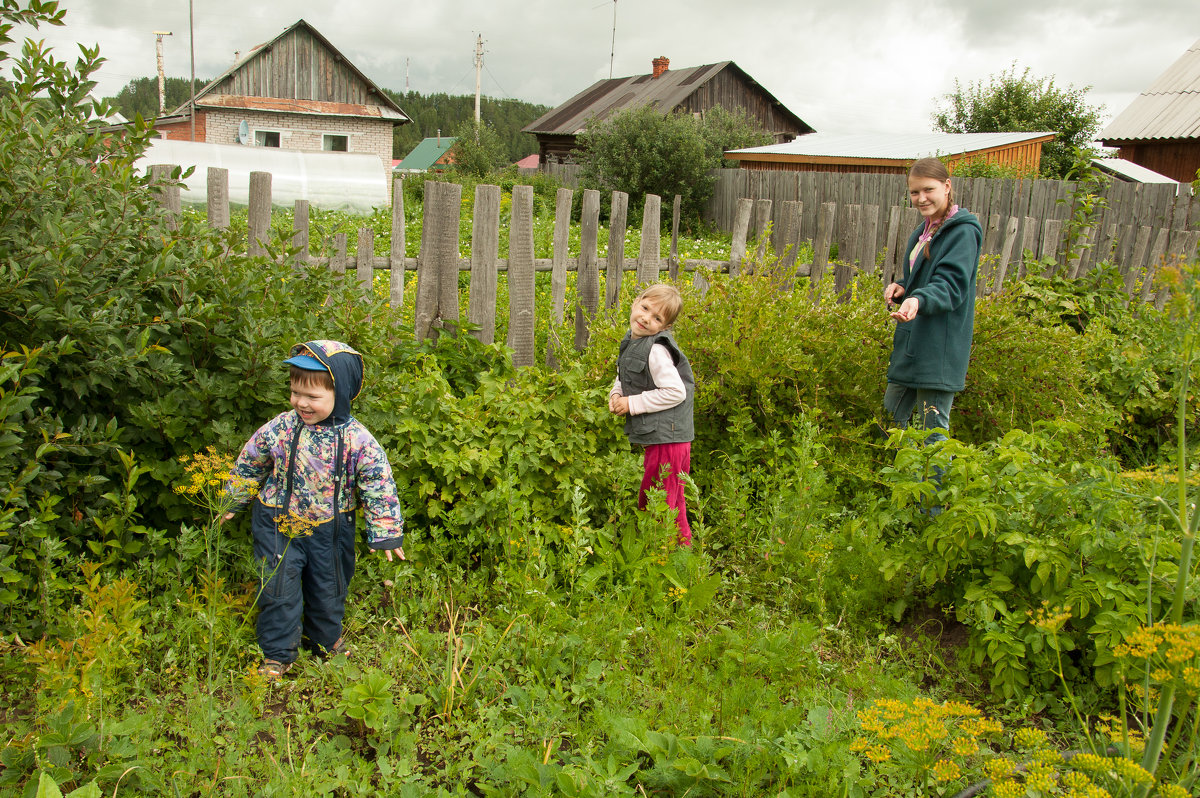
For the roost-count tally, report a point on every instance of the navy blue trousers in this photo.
(304, 581)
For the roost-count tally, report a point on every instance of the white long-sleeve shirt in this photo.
(670, 391)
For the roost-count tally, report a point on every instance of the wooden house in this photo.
(295, 92)
(1160, 130)
(892, 153)
(694, 90)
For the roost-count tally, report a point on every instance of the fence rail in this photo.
(755, 223)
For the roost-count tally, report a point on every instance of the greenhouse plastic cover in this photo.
(328, 180)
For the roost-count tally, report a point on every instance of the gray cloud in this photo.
(855, 65)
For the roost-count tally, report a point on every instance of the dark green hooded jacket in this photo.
(933, 349)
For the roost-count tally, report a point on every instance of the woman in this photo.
(936, 296)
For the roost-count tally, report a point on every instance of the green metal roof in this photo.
(426, 154)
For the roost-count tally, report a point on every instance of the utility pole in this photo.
(406, 65)
(478, 69)
(192, 50)
(162, 80)
(612, 54)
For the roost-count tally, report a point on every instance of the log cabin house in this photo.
(692, 90)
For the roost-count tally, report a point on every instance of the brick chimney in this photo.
(660, 65)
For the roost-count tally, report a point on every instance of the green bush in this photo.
(1024, 527)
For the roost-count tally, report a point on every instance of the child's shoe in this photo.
(272, 670)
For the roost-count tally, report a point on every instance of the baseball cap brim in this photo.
(306, 362)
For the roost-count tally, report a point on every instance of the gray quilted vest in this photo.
(633, 369)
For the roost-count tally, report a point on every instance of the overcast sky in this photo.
(841, 65)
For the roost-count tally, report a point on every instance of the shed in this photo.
(694, 90)
(430, 155)
(888, 153)
(1128, 171)
(295, 92)
(1160, 129)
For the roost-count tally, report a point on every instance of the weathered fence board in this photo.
(258, 214)
(485, 252)
(616, 248)
(521, 282)
(395, 276)
(218, 198)
(588, 280)
(741, 233)
(649, 253)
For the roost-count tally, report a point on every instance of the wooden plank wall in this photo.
(1007, 237)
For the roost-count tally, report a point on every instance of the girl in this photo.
(936, 316)
(654, 389)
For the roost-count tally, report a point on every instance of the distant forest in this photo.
(429, 113)
(448, 113)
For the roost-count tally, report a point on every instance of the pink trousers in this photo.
(678, 459)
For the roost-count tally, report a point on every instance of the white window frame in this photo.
(261, 138)
(328, 138)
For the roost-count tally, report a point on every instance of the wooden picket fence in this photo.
(438, 264)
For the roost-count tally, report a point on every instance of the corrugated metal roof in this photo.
(606, 97)
(1169, 109)
(1130, 171)
(891, 146)
(427, 153)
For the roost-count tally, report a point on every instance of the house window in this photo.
(266, 138)
(331, 142)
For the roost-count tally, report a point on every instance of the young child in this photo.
(315, 463)
(654, 390)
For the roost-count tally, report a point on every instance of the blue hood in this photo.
(345, 366)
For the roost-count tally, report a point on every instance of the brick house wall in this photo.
(302, 132)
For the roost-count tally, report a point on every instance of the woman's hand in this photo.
(908, 310)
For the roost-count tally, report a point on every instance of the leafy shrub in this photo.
(1024, 528)
(478, 448)
(1130, 350)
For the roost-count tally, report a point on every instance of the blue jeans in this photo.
(900, 401)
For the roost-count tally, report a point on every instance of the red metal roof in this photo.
(282, 105)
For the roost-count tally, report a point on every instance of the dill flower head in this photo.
(210, 483)
(1050, 620)
(946, 770)
(1030, 739)
(293, 526)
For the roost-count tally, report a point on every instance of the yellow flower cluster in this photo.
(923, 734)
(946, 770)
(293, 526)
(1167, 652)
(209, 481)
(1111, 728)
(1031, 739)
(1048, 619)
(1124, 769)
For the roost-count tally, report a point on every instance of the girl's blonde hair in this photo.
(667, 298)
